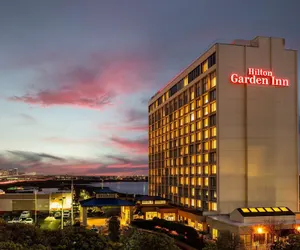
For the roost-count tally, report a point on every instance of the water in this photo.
(125, 187)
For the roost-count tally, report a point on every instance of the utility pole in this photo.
(72, 212)
(62, 213)
(35, 206)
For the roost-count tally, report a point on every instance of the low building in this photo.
(40, 202)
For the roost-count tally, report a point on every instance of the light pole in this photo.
(62, 213)
(35, 206)
(72, 212)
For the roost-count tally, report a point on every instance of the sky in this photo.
(76, 76)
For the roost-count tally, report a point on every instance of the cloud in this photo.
(130, 145)
(34, 157)
(28, 118)
(43, 163)
(94, 85)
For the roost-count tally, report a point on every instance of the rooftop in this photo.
(104, 202)
(149, 198)
(264, 211)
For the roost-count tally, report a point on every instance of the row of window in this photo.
(173, 112)
(202, 86)
(197, 142)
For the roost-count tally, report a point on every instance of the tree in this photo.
(148, 240)
(226, 241)
(292, 243)
(273, 228)
(114, 229)
(11, 246)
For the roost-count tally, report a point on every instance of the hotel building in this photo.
(223, 134)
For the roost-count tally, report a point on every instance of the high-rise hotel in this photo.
(223, 134)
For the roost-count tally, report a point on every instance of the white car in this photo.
(25, 214)
(14, 220)
(57, 215)
(28, 221)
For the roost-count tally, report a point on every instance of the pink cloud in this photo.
(93, 87)
(135, 146)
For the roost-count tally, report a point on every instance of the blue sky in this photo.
(75, 76)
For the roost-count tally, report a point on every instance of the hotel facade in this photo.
(223, 134)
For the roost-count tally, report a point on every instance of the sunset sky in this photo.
(76, 76)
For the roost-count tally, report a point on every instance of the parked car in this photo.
(14, 220)
(25, 214)
(57, 215)
(28, 221)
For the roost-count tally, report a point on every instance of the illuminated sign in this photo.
(259, 77)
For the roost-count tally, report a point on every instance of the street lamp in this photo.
(62, 212)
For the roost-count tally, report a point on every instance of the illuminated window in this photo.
(186, 149)
(192, 138)
(193, 181)
(213, 79)
(245, 210)
(192, 202)
(185, 81)
(192, 95)
(199, 159)
(181, 112)
(268, 209)
(198, 103)
(260, 209)
(186, 170)
(205, 122)
(213, 169)
(181, 180)
(205, 134)
(181, 122)
(192, 170)
(205, 169)
(205, 146)
(284, 209)
(199, 181)
(186, 109)
(214, 144)
(186, 129)
(205, 98)
(198, 203)
(205, 110)
(276, 209)
(253, 210)
(147, 202)
(204, 66)
(192, 117)
(214, 206)
(215, 233)
(186, 180)
(192, 106)
(206, 181)
(213, 107)
(205, 158)
(198, 136)
(213, 132)
(186, 201)
(199, 170)
(193, 191)
(192, 159)
(198, 125)
(186, 119)
(182, 200)
(192, 127)
(198, 114)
